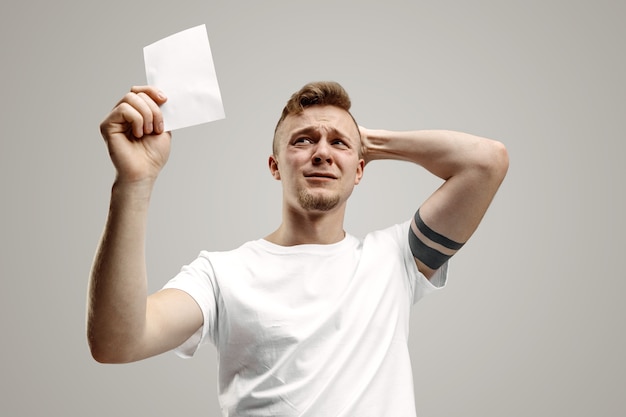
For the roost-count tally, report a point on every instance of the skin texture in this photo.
(318, 163)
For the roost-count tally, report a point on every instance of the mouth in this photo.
(321, 175)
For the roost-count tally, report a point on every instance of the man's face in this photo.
(317, 158)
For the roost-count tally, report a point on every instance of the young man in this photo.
(309, 321)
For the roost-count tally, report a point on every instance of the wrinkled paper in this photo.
(181, 66)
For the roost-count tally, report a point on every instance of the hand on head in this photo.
(365, 143)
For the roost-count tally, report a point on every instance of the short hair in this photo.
(317, 93)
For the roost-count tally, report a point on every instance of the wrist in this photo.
(139, 191)
(375, 144)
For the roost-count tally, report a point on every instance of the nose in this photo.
(322, 153)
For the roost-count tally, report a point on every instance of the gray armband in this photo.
(431, 257)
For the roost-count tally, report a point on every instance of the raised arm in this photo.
(473, 169)
(123, 323)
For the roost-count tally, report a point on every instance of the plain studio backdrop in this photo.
(532, 322)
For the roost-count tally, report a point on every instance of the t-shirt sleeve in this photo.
(198, 280)
(421, 286)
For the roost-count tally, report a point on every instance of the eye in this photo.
(303, 141)
(340, 143)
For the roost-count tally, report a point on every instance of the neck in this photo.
(299, 228)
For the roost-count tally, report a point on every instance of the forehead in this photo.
(320, 118)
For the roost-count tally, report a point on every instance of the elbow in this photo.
(102, 357)
(104, 354)
(106, 350)
(501, 159)
(107, 355)
(100, 354)
(496, 161)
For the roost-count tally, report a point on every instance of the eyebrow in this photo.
(312, 131)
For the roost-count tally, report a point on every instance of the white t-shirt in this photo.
(310, 330)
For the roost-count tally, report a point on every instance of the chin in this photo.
(317, 202)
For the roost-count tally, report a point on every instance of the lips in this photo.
(320, 175)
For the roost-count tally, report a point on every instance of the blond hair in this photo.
(318, 93)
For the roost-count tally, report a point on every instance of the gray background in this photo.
(532, 321)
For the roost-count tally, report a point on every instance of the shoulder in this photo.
(243, 250)
(393, 235)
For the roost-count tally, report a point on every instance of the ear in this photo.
(359, 171)
(273, 165)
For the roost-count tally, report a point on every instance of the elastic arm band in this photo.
(434, 236)
(432, 258)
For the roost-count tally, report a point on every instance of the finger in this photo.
(140, 103)
(122, 117)
(135, 117)
(153, 92)
(138, 109)
(156, 123)
(157, 98)
(149, 109)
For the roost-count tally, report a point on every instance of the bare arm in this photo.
(123, 323)
(473, 169)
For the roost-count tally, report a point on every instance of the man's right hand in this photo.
(123, 324)
(133, 132)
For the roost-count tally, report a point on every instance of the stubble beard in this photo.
(309, 201)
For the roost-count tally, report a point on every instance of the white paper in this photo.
(181, 66)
